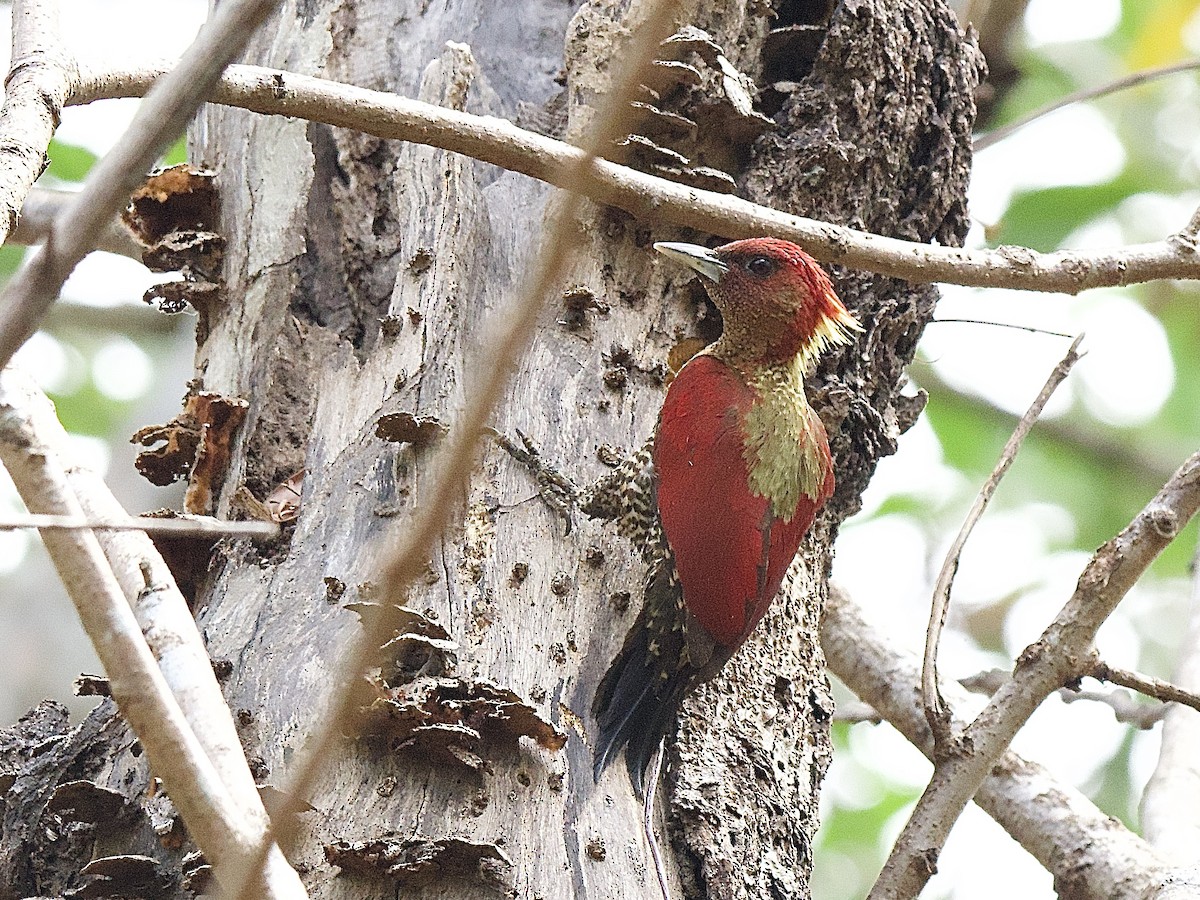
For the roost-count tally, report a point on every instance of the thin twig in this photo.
(190, 526)
(1043, 667)
(1032, 329)
(855, 713)
(983, 141)
(648, 820)
(168, 107)
(1083, 847)
(935, 708)
(1145, 684)
(405, 560)
(1124, 706)
(986, 682)
(657, 200)
(214, 818)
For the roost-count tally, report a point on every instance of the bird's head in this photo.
(776, 302)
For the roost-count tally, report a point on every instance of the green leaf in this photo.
(903, 504)
(177, 154)
(68, 162)
(1042, 219)
(10, 259)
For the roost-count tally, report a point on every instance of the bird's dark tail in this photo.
(640, 694)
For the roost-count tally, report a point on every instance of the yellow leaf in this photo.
(1160, 39)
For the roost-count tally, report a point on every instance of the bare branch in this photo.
(184, 526)
(212, 810)
(1044, 666)
(404, 560)
(986, 682)
(935, 708)
(40, 79)
(1145, 684)
(996, 135)
(1089, 853)
(653, 199)
(853, 713)
(159, 120)
(43, 206)
(1125, 708)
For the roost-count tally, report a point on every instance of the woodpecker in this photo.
(721, 496)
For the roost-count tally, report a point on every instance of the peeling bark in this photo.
(359, 277)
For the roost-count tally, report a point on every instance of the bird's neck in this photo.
(783, 439)
(767, 344)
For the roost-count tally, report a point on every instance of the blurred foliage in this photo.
(177, 154)
(1102, 475)
(10, 259)
(82, 406)
(69, 163)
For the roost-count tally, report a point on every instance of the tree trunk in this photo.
(360, 277)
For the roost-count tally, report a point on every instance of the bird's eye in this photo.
(760, 266)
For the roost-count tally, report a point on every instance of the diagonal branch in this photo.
(1089, 853)
(1060, 654)
(208, 781)
(657, 200)
(996, 135)
(41, 78)
(170, 104)
(936, 712)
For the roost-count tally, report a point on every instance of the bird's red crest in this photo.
(776, 286)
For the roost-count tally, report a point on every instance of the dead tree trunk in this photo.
(358, 281)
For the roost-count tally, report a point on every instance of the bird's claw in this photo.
(557, 491)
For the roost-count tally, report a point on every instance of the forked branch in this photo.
(1047, 664)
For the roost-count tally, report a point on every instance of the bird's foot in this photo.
(557, 491)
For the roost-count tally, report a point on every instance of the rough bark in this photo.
(358, 279)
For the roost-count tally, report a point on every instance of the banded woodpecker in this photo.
(721, 496)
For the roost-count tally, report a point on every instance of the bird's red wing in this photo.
(729, 558)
